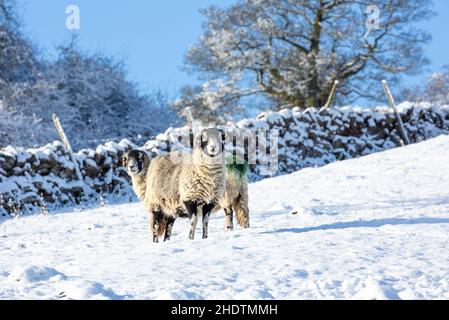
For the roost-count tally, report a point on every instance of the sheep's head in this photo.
(211, 142)
(136, 162)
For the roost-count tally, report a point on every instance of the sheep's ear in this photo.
(223, 134)
(125, 160)
(202, 135)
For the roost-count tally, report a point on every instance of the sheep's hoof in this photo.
(204, 236)
(166, 239)
(229, 228)
(155, 239)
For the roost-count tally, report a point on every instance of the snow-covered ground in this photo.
(371, 228)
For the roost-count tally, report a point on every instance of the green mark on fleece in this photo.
(240, 167)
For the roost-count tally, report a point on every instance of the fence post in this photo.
(67, 145)
(402, 131)
(331, 96)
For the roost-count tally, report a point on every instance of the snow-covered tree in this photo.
(89, 92)
(18, 65)
(93, 99)
(17, 54)
(213, 102)
(435, 90)
(292, 51)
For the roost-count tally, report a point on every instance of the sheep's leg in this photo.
(199, 212)
(229, 225)
(206, 213)
(155, 224)
(205, 224)
(193, 222)
(192, 210)
(169, 229)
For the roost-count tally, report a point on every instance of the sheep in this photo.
(136, 163)
(235, 198)
(197, 186)
(236, 194)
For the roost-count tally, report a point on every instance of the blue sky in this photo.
(153, 35)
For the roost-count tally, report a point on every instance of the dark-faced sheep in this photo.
(137, 163)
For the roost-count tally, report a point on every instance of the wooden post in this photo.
(402, 131)
(67, 145)
(331, 96)
(188, 114)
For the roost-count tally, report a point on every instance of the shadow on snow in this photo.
(363, 224)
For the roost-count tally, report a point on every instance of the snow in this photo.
(38, 281)
(375, 227)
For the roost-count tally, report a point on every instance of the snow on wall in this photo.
(44, 179)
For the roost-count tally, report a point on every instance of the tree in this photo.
(91, 96)
(98, 101)
(17, 54)
(90, 93)
(291, 51)
(18, 64)
(210, 106)
(435, 90)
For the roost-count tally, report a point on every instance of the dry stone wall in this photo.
(44, 179)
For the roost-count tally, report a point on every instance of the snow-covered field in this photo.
(371, 228)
